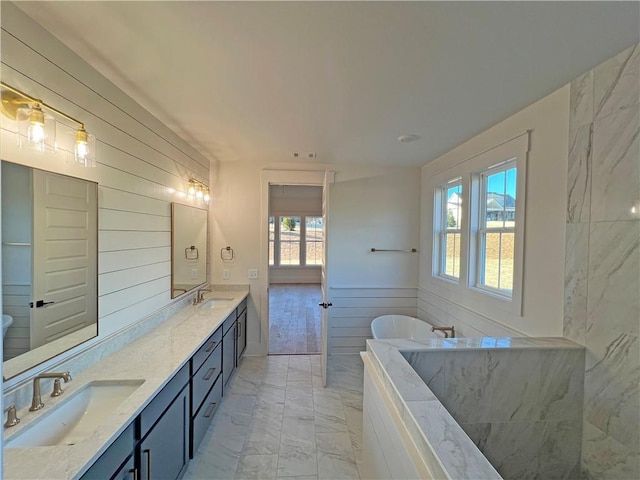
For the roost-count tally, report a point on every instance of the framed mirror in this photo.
(49, 264)
(188, 248)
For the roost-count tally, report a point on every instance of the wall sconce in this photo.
(38, 129)
(198, 190)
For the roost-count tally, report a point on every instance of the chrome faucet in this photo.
(446, 331)
(36, 401)
(199, 298)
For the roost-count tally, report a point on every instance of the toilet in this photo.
(7, 320)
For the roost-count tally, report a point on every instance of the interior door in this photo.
(64, 269)
(324, 284)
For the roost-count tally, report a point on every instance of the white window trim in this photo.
(464, 291)
(440, 219)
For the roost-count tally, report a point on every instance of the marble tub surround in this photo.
(154, 357)
(602, 260)
(482, 371)
(522, 406)
(441, 442)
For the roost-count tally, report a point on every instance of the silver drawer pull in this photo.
(211, 347)
(210, 410)
(210, 374)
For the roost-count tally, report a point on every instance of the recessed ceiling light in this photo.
(408, 138)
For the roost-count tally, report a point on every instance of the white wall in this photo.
(142, 166)
(543, 283)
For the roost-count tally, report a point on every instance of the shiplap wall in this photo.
(141, 165)
(354, 308)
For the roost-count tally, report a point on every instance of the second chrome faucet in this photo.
(36, 401)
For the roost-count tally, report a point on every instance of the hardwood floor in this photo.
(294, 318)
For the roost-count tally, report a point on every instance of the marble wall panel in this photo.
(581, 100)
(602, 303)
(576, 262)
(612, 375)
(616, 83)
(615, 184)
(579, 174)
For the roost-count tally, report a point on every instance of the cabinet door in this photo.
(128, 471)
(109, 464)
(242, 335)
(229, 353)
(164, 453)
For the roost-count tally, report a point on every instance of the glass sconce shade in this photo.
(37, 130)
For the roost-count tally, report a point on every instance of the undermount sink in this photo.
(216, 302)
(77, 417)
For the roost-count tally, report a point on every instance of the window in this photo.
(496, 231)
(289, 240)
(272, 240)
(295, 241)
(314, 241)
(477, 240)
(450, 218)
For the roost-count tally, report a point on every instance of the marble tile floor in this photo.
(294, 318)
(277, 421)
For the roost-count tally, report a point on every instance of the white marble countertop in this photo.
(437, 435)
(154, 358)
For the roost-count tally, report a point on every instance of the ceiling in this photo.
(258, 81)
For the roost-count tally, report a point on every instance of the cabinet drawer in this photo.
(204, 378)
(111, 460)
(229, 321)
(202, 419)
(159, 404)
(205, 350)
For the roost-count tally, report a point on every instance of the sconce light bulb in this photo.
(36, 126)
(36, 133)
(82, 150)
(199, 192)
(207, 195)
(192, 188)
(82, 145)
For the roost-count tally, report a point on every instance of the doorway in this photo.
(296, 250)
(295, 177)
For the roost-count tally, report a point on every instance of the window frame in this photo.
(482, 230)
(440, 234)
(465, 292)
(277, 219)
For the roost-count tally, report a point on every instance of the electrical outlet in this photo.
(226, 275)
(253, 273)
(194, 273)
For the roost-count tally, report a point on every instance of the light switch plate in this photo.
(253, 273)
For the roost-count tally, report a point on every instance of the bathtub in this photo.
(401, 326)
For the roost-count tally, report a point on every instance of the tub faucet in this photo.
(446, 331)
(36, 401)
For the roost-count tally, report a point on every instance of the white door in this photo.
(65, 233)
(324, 284)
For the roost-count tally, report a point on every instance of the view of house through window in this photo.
(450, 230)
(295, 241)
(497, 228)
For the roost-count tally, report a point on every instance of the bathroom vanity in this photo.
(179, 370)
